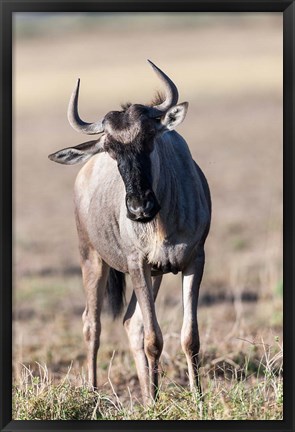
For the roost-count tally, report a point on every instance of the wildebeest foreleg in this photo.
(190, 341)
(134, 328)
(95, 273)
(144, 333)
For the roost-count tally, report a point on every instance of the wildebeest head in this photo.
(128, 137)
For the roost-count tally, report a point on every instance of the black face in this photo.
(129, 139)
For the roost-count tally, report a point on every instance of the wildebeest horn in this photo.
(171, 92)
(74, 119)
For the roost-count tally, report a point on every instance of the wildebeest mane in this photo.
(125, 105)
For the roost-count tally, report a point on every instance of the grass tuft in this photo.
(255, 396)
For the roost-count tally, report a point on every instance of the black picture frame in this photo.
(8, 7)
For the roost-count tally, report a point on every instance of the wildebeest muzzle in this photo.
(142, 208)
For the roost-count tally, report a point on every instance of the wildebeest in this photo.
(142, 207)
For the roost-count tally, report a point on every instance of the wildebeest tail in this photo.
(115, 292)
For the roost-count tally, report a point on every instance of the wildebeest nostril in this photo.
(133, 205)
(148, 205)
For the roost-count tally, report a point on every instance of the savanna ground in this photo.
(229, 68)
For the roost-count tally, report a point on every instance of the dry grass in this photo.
(231, 74)
(232, 391)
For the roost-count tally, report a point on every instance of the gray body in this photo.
(142, 207)
(172, 237)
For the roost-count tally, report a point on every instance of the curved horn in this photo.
(171, 91)
(74, 119)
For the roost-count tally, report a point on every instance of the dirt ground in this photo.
(229, 69)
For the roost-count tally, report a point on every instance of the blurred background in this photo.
(229, 68)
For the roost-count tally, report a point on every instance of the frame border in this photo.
(7, 8)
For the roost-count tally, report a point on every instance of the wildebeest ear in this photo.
(79, 153)
(174, 116)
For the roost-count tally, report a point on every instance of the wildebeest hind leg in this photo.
(190, 341)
